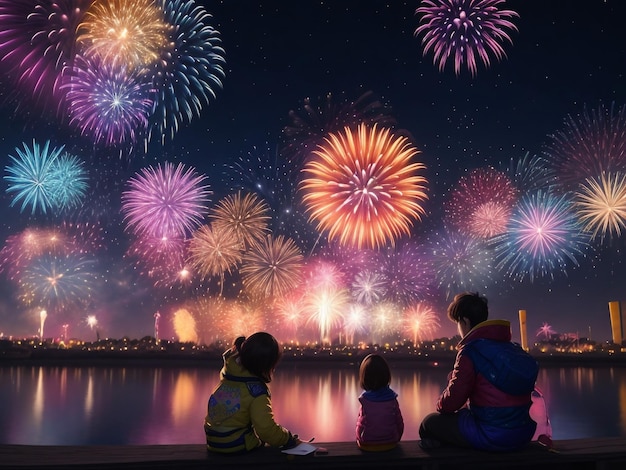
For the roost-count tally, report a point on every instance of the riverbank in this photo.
(202, 359)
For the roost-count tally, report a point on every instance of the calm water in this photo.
(143, 405)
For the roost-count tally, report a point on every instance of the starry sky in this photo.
(562, 60)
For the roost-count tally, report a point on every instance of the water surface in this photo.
(44, 405)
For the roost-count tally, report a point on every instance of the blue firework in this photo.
(58, 281)
(530, 173)
(68, 180)
(460, 262)
(190, 69)
(31, 177)
(543, 237)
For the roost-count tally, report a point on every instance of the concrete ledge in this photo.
(601, 453)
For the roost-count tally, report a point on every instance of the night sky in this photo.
(565, 59)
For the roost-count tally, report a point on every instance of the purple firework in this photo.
(37, 40)
(407, 274)
(165, 201)
(464, 31)
(108, 102)
(590, 146)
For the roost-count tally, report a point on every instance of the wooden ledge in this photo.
(600, 453)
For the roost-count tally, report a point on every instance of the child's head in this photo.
(469, 306)
(374, 373)
(259, 354)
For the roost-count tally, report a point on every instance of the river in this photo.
(115, 405)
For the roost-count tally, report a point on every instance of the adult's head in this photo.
(259, 354)
(468, 309)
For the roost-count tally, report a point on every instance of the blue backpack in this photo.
(505, 364)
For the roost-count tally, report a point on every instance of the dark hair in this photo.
(374, 373)
(470, 305)
(259, 354)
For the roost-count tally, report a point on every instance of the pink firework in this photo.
(37, 41)
(363, 188)
(320, 274)
(466, 32)
(165, 201)
(421, 322)
(482, 202)
(161, 259)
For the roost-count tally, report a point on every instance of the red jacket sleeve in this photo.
(460, 385)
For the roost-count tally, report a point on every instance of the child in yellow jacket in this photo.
(240, 414)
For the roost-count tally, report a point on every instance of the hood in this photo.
(498, 330)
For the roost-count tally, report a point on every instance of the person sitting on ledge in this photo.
(240, 415)
(472, 412)
(379, 426)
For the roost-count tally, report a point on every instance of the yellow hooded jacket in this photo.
(240, 416)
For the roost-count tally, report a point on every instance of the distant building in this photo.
(616, 312)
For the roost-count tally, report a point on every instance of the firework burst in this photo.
(245, 216)
(362, 188)
(368, 287)
(161, 259)
(213, 251)
(125, 33)
(189, 68)
(325, 308)
(185, 326)
(543, 236)
(460, 262)
(69, 180)
(355, 321)
(385, 320)
(31, 177)
(590, 145)
(322, 274)
(272, 267)
(165, 201)
(290, 310)
(407, 273)
(530, 173)
(421, 322)
(108, 102)
(601, 205)
(37, 41)
(488, 195)
(309, 125)
(465, 32)
(545, 330)
(57, 281)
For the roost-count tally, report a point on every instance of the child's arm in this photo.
(265, 426)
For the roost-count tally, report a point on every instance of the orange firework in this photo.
(362, 187)
(214, 251)
(246, 216)
(272, 267)
(124, 33)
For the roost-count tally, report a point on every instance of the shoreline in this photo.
(201, 359)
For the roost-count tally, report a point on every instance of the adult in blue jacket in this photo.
(471, 411)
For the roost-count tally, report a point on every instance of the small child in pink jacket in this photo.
(379, 425)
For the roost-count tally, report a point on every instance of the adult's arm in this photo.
(460, 385)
